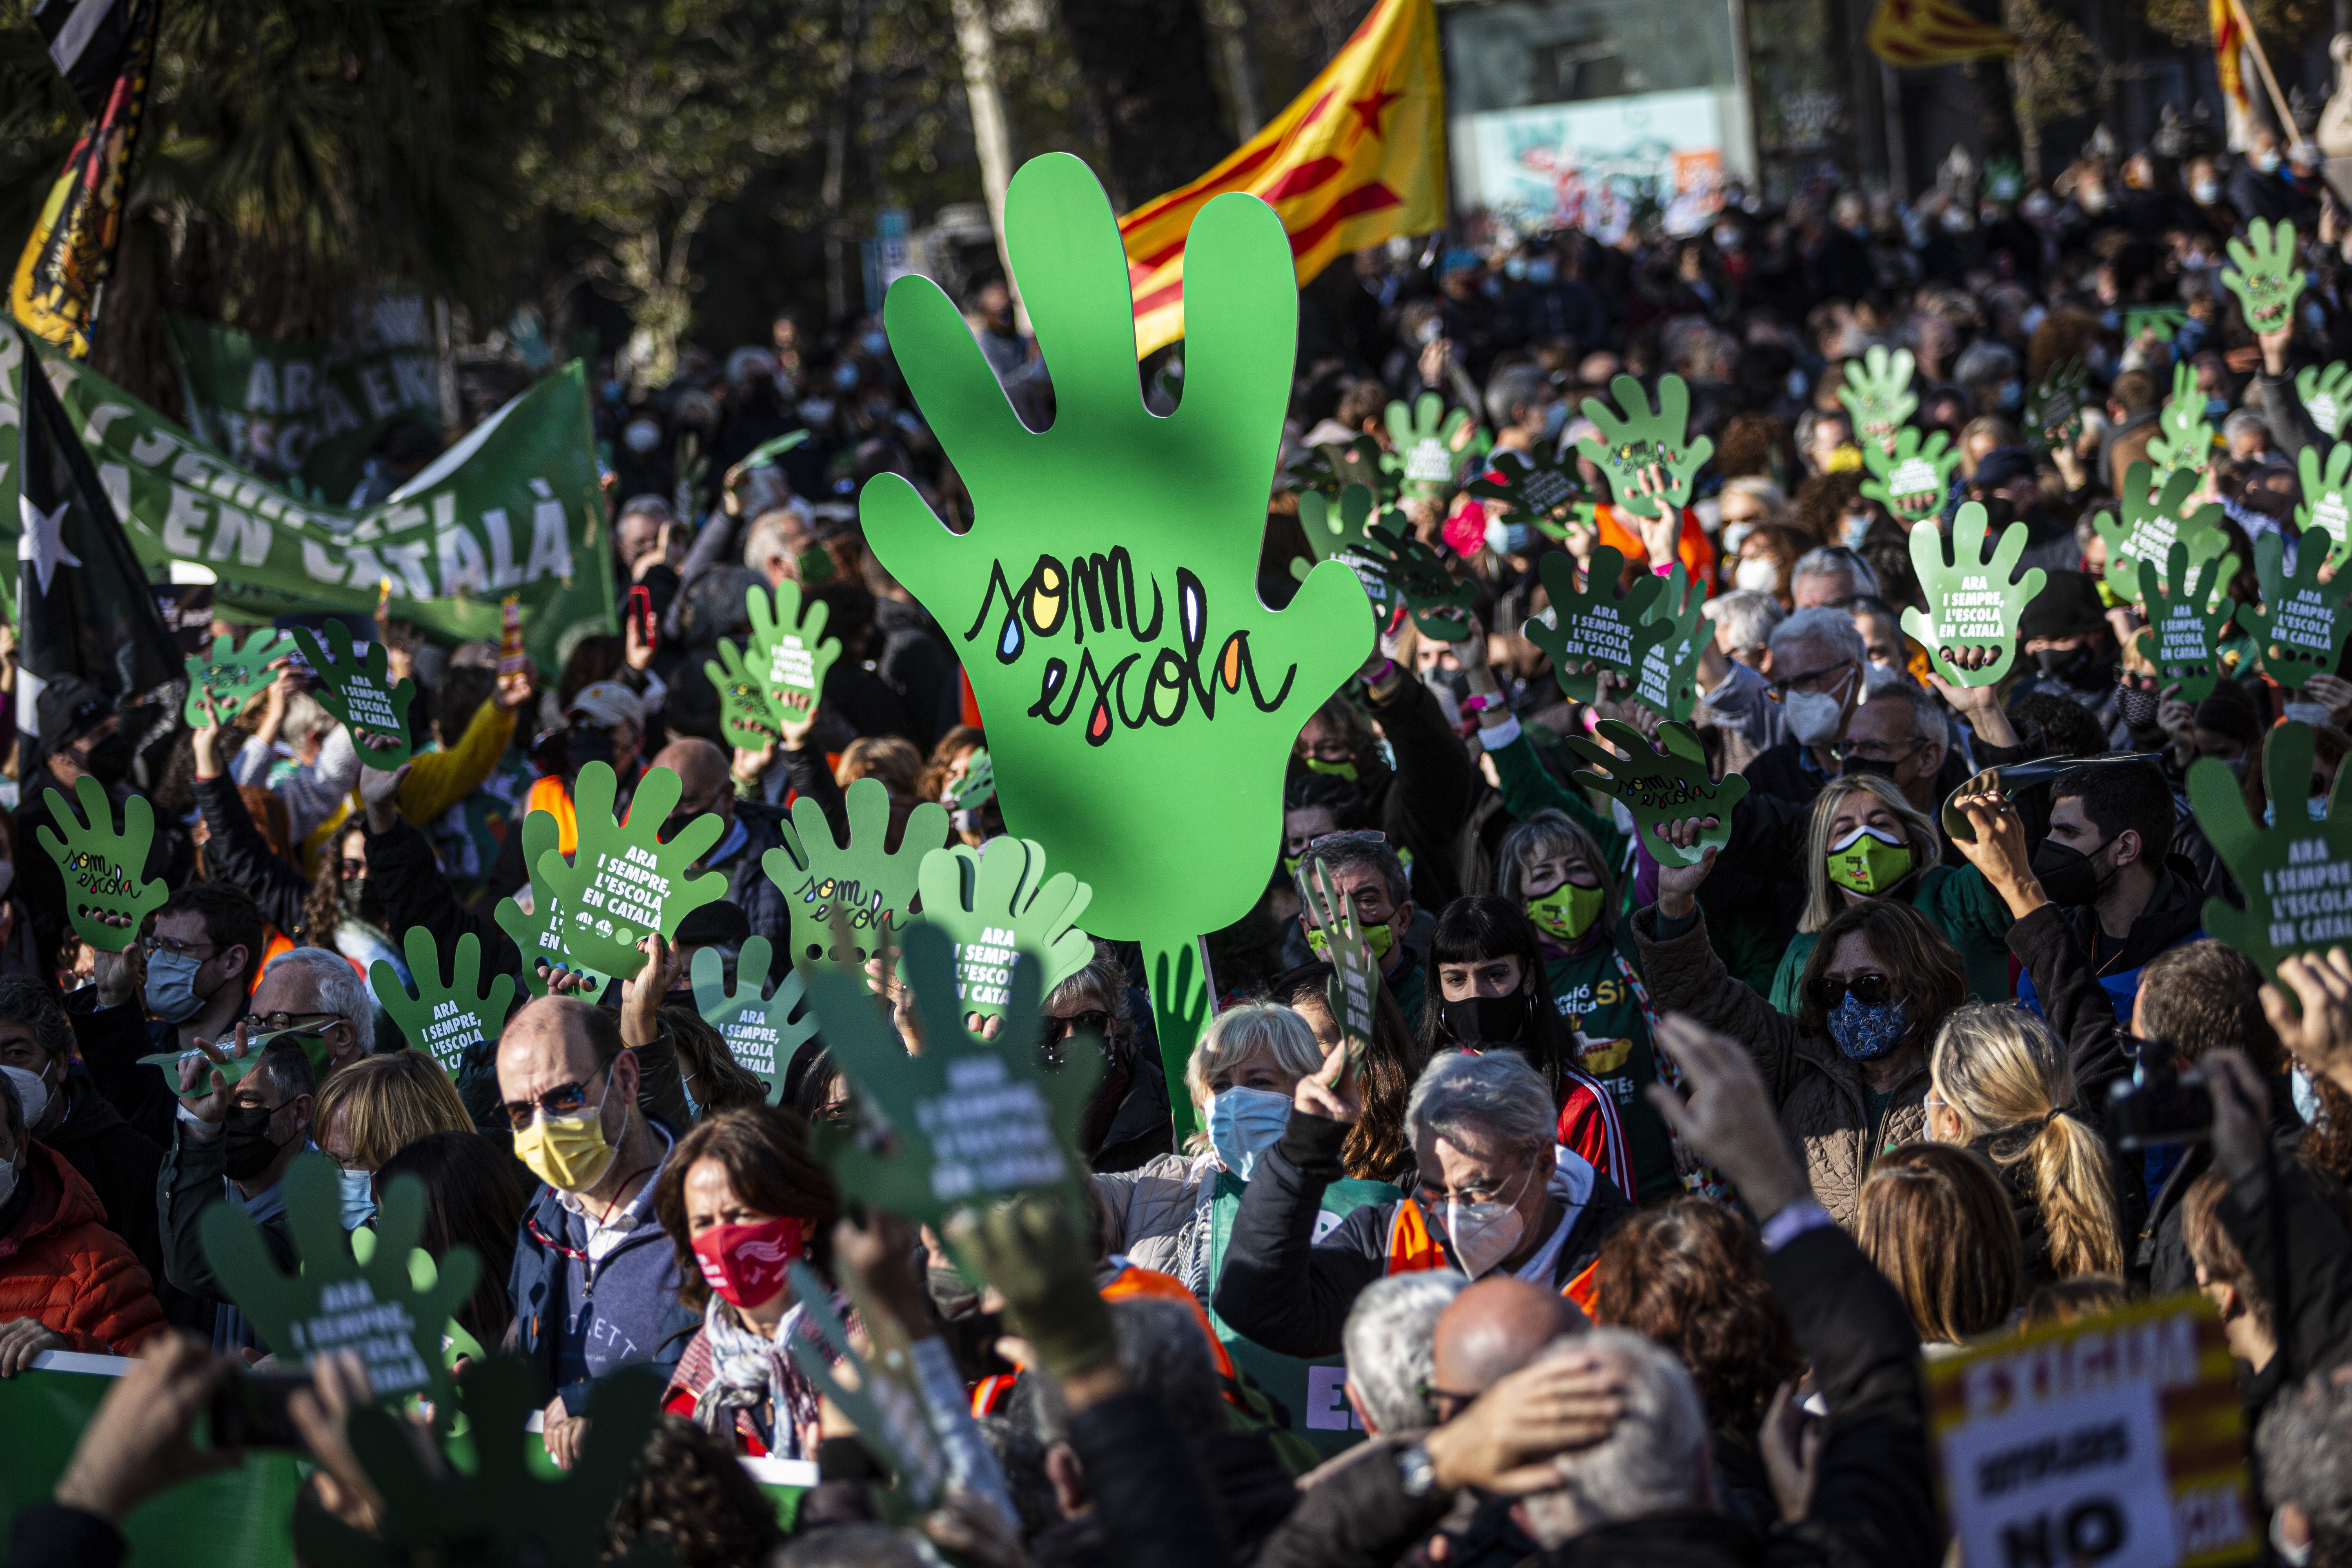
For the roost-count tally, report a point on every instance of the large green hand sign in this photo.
(2153, 519)
(743, 711)
(446, 1021)
(1540, 486)
(231, 676)
(386, 1311)
(2185, 442)
(1877, 395)
(790, 651)
(2266, 277)
(2301, 624)
(1440, 601)
(623, 885)
(361, 693)
(996, 901)
(1660, 784)
(1972, 602)
(2297, 874)
(887, 1412)
(1343, 534)
(1592, 626)
(2326, 395)
(1140, 699)
(2054, 409)
(2326, 510)
(541, 934)
(1910, 481)
(505, 1508)
(761, 1032)
(1646, 456)
(972, 1119)
(873, 887)
(1430, 452)
(1667, 647)
(2185, 621)
(106, 897)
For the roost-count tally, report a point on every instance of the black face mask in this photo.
(2069, 877)
(109, 760)
(1491, 1020)
(1870, 768)
(585, 743)
(250, 1148)
(2084, 668)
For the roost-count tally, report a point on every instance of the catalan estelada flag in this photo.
(2229, 42)
(1356, 158)
(1935, 33)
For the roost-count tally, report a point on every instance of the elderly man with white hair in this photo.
(1818, 667)
(1734, 698)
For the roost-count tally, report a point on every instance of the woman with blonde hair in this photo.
(1934, 1221)
(376, 1107)
(2000, 1082)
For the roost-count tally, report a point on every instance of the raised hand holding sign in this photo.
(1338, 936)
(624, 885)
(761, 1032)
(872, 888)
(231, 676)
(2186, 442)
(2326, 510)
(2154, 517)
(996, 901)
(1972, 601)
(2265, 275)
(2187, 621)
(1540, 486)
(1591, 628)
(541, 933)
(2296, 874)
(361, 693)
(2326, 395)
(445, 1021)
(1666, 646)
(1440, 601)
(2301, 624)
(743, 711)
(1660, 784)
(107, 898)
(1646, 456)
(1910, 481)
(790, 652)
(1877, 395)
(1430, 451)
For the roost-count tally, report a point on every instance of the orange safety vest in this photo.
(1413, 1248)
(549, 796)
(1135, 1280)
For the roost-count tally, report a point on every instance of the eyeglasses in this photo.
(1875, 751)
(1811, 680)
(1828, 991)
(563, 1100)
(152, 946)
(272, 1023)
(1053, 1049)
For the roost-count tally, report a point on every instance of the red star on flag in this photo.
(1369, 108)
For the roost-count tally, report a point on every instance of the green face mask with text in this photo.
(1869, 860)
(1566, 912)
(1379, 938)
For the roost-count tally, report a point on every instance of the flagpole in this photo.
(2269, 82)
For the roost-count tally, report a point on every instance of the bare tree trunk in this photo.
(977, 44)
(1230, 22)
(837, 160)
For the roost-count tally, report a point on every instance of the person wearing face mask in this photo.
(80, 735)
(643, 462)
(1365, 872)
(1734, 698)
(2065, 633)
(1495, 1196)
(67, 1282)
(2260, 187)
(605, 723)
(1816, 662)
(1550, 301)
(706, 785)
(71, 1116)
(2007, 475)
(371, 1109)
(593, 1288)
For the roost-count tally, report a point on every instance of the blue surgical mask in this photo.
(2216, 408)
(1866, 1034)
(1555, 420)
(844, 375)
(1855, 528)
(1516, 268)
(1543, 270)
(172, 987)
(358, 1197)
(2317, 805)
(1244, 1123)
(2012, 395)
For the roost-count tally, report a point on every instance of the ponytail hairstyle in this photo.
(2004, 1074)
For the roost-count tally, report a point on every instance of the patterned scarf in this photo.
(749, 1369)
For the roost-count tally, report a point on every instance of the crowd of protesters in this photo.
(1631, 1223)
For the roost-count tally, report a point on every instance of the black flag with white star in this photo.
(83, 604)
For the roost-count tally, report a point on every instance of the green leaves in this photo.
(2265, 277)
(1645, 456)
(997, 900)
(1972, 601)
(759, 1031)
(1911, 479)
(1429, 453)
(2187, 441)
(2186, 620)
(872, 888)
(360, 692)
(389, 1311)
(446, 1021)
(743, 711)
(233, 675)
(541, 933)
(790, 652)
(2297, 875)
(1591, 625)
(2153, 519)
(1440, 601)
(1877, 394)
(1659, 784)
(1540, 486)
(2053, 408)
(2301, 624)
(2326, 510)
(105, 898)
(2326, 395)
(971, 1119)
(623, 885)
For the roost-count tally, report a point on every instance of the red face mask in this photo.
(746, 1263)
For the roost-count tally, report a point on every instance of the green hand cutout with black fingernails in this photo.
(624, 884)
(107, 898)
(1912, 480)
(1647, 458)
(231, 676)
(1877, 395)
(2301, 626)
(1659, 784)
(361, 693)
(2188, 618)
(743, 712)
(2185, 441)
(1975, 600)
(2265, 275)
(1592, 626)
(996, 901)
(789, 650)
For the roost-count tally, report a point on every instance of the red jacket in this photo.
(60, 1264)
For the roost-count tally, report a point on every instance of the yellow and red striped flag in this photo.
(1935, 33)
(1356, 158)
(2229, 43)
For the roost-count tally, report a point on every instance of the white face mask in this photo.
(1759, 572)
(1813, 716)
(1244, 1123)
(1482, 1234)
(32, 1091)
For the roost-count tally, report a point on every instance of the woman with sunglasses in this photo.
(1849, 1069)
(1125, 1122)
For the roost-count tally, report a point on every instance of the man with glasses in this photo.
(594, 1283)
(1365, 872)
(1818, 665)
(316, 989)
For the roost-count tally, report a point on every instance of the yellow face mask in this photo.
(1566, 912)
(1869, 860)
(568, 1153)
(1379, 938)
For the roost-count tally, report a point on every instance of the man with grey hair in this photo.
(316, 991)
(1734, 698)
(1830, 574)
(1391, 1341)
(1816, 661)
(1498, 1196)
(2304, 1450)
(1365, 870)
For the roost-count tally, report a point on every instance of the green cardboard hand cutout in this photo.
(888, 1413)
(761, 1032)
(1660, 784)
(790, 651)
(1877, 395)
(2266, 277)
(765, 454)
(232, 1064)
(996, 901)
(232, 676)
(1593, 624)
(105, 899)
(623, 885)
(1334, 465)
(2054, 409)
(972, 1119)
(2326, 395)
(743, 711)
(873, 889)
(541, 934)
(2297, 874)
(1431, 445)
(2162, 321)
(1972, 602)
(334, 1302)
(1338, 938)
(361, 693)
(2326, 510)
(2185, 442)
(978, 785)
(2187, 621)
(2153, 518)
(1140, 699)
(1539, 486)
(1344, 534)
(507, 1509)
(1912, 480)
(446, 1021)
(1439, 601)
(1646, 457)
(2301, 624)
(1667, 647)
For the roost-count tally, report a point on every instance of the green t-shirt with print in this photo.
(1592, 991)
